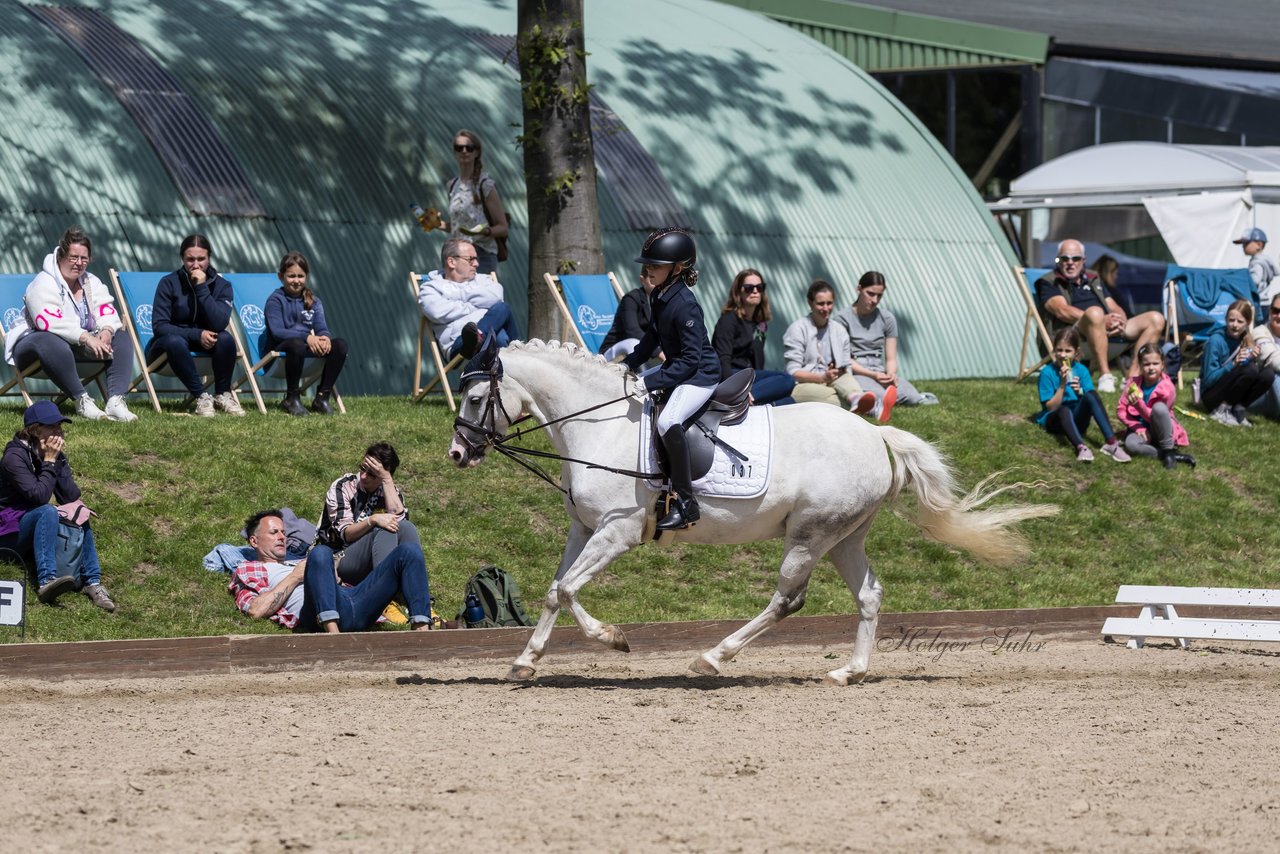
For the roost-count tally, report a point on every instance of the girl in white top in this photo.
(69, 315)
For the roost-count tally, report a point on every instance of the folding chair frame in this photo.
(148, 369)
(442, 368)
(557, 293)
(1033, 320)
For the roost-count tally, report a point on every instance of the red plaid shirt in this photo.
(253, 578)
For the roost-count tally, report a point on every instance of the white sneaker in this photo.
(229, 403)
(117, 411)
(87, 409)
(204, 406)
(1107, 383)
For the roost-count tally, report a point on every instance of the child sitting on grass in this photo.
(1231, 376)
(1146, 409)
(1068, 400)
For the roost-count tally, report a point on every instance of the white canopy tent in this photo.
(1200, 197)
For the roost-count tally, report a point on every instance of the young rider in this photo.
(691, 370)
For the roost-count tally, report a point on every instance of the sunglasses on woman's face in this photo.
(751, 289)
(462, 148)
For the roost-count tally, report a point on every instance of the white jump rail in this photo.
(1159, 617)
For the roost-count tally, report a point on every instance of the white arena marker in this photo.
(11, 595)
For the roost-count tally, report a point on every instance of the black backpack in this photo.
(499, 595)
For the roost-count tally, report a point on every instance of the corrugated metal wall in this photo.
(785, 156)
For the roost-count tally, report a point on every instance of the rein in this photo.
(491, 438)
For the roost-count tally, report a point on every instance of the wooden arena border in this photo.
(383, 650)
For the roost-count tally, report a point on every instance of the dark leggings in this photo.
(1072, 419)
(296, 352)
(1242, 385)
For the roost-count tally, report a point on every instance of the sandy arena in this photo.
(1066, 746)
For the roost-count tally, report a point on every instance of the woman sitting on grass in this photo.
(1231, 376)
(34, 469)
(1146, 409)
(1068, 400)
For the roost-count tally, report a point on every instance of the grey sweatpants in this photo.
(1160, 432)
(59, 361)
(359, 558)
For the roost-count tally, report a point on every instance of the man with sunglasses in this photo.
(463, 306)
(1073, 296)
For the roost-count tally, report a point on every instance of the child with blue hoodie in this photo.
(1231, 376)
(1068, 400)
(296, 325)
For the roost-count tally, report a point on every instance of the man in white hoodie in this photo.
(70, 315)
(463, 306)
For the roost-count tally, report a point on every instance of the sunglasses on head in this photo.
(1065, 259)
(750, 289)
(461, 148)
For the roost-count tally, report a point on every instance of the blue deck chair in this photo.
(441, 378)
(251, 291)
(588, 304)
(12, 289)
(134, 293)
(1196, 299)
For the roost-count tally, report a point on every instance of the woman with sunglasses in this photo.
(475, 208)
(691, 371)
(873, 339)
(739, 338)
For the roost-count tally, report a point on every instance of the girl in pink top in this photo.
(1146, 409)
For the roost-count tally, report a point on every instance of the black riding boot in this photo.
(292, 404)
(684, 507)
(1168, 458)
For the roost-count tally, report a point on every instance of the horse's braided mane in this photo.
(568, 350)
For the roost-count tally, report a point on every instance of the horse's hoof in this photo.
(614, 637)
(703, 666)
(843, 678)
(520, 673)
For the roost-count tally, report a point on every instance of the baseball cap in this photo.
(1250, 235)
(43, 412)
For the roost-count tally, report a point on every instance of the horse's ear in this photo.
(485, 361)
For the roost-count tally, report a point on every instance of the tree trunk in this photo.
(559, 162)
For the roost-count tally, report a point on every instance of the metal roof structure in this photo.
(783, 155)
(882, 40)
(1238, 30)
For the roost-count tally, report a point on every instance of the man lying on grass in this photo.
(306, 596)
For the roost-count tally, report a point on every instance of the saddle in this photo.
(728, 406)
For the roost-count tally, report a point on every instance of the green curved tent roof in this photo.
(781, 155)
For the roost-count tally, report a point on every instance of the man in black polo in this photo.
(1073, 296)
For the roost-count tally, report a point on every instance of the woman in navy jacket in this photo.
(189, 314)
(691, 370)
(296, 325)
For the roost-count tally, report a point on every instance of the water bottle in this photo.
(473, 611)
(419, 214)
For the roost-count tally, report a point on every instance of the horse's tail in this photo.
(957, 521)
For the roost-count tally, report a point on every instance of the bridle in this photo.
(483, 433)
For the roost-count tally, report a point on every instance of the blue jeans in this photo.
(357, 608)
(182, 360)
(499, 321)
(37, 539)
(1268, 405)
(772, 387)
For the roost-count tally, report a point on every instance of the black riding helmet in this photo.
(669, 246)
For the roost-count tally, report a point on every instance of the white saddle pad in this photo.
(728, 477)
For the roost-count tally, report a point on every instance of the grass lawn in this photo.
(170, 487)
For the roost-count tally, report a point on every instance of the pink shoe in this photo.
(1117, 452)
(886, 405)
(862, 405)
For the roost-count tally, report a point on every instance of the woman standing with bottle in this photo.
(475, 208)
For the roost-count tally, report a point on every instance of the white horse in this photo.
(831, 473)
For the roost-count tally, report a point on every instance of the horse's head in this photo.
(482, 418)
